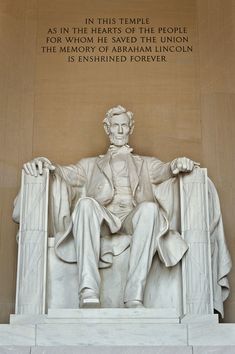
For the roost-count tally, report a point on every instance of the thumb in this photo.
(49, 166)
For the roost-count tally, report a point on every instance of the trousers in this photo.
(142, 223)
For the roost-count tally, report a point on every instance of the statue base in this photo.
(116, 330)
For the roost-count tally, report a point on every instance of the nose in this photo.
(120, 129)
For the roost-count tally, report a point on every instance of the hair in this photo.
(115, 111)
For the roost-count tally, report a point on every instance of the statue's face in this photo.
(119, 129)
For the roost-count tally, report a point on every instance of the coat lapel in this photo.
(135, 164)
(104, 166)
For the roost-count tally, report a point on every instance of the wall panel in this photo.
(17, 69)
(216, 28)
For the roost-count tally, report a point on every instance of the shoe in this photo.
(89, 299)
(134, 304)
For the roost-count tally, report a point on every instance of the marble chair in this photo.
(44, 281)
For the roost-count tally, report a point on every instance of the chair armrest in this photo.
(196, 264)
(32, 248)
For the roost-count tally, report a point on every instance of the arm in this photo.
(74, 175)
(161, 171)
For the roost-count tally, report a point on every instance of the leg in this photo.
(146, 220)
(87, 219)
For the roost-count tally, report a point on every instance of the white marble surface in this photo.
(24, 320)
(212, 338)
(211, 335)
(97, 316)
(62, 276)
(111, 334)
(202, 319)
(17, 335)
(27, 319)
(32, 245)
(111, 316)
(214, 350)
(15, 350)
(118, 316)
(118, 350)
(136, 313)
(113, 350)
(196, 264)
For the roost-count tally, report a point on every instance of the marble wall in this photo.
(216, 33)
(48, 106)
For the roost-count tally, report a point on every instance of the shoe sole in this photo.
(90, 303)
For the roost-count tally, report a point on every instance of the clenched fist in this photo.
(183, 164)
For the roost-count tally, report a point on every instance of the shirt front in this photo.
(123, 202)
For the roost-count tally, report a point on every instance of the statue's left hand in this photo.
(183, 164)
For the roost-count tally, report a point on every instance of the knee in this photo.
(86, 204)
(84, 207)
(149, 209)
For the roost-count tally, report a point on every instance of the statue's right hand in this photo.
(35, 166)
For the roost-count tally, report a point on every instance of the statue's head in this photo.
(118, 125)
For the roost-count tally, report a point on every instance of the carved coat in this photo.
(94, 174)
(92, 177)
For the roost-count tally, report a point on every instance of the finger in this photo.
(51, 167)
(29, 166)
(184, 164)
(187, 164)
(191, 165)
(179, 164)
(26, 169)
(175, 171)
(196, 163)
(34, 168)
(39, 163)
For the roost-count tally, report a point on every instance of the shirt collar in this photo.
(115, 150)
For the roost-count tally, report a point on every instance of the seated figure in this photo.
(113, 194)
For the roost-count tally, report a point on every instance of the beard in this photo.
(118, 141)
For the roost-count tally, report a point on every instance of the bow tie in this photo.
(115, 150)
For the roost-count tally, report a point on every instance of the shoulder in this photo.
(87, 161)
(147, 159)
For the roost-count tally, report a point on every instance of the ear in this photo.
(132, 129)
(106, 128)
